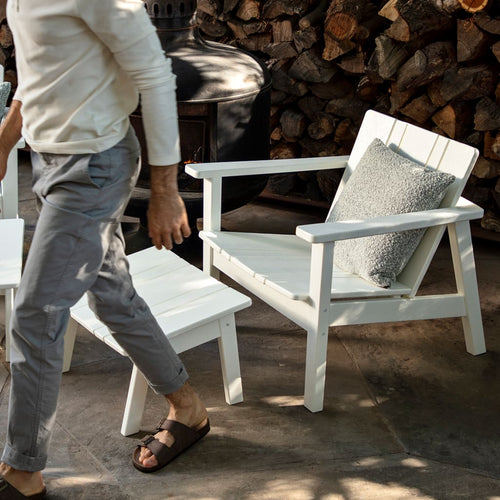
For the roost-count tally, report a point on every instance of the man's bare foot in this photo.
(186, 408)
(27, 483)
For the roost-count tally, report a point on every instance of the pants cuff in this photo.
(173, 385)
(22, 462)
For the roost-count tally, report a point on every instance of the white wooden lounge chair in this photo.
(296, 274)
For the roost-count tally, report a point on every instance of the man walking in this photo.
(81, 66)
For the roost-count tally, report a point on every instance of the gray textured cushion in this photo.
(4, 95)
(385, 183)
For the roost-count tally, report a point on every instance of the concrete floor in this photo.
(408, 413)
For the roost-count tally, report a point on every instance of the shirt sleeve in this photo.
(125, 28)
(18, 95)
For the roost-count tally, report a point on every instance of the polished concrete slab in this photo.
(408, 413)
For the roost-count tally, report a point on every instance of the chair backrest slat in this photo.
(427, 149)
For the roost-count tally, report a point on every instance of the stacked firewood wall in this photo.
(435, 63)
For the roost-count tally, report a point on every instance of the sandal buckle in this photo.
(148, 439)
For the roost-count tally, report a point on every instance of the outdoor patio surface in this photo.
(408, 413)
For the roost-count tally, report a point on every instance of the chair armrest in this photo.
(256, 167)
(332, 231)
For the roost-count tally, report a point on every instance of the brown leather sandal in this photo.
(184, 438)
(8, 492)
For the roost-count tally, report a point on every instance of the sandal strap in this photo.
(184, 436)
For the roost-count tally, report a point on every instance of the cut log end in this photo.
(473, 5)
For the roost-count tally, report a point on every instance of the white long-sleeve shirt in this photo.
(81, 65)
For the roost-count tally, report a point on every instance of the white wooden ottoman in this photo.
(191, 308)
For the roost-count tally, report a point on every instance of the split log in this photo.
(210, 7)
(466, 83)
(413, 19)
(367, 90)
(310, 67)
(336, 48)
(398, 97)
(448, 6)
(283, 50)
(390, 11)
(310, 106)
(487, 23)
(350, 107)
(305, 39)
(345, 135)
(277, 134)
(229, 5)
(254, 27)
(315, 16)
(256, 43)
(211, 26)
(487, 115)
(492, 145)
(419, 109)
(471, 41)
(283, 150)
(322, 126)
(387, 57)
(282, 31)
(248, 9)
(496, 50)
(293, 124)
(485, 169)
(283, 81)
(426, 65)
(454, 119)
(276, 8)
(354, 64)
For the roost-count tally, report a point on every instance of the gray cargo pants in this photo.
(77, 247)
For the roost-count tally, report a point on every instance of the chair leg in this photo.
(69, 344)
(228, 349)
(134, 407)
(465, 275)
(208, 262)
(317, 344)
(9, 306)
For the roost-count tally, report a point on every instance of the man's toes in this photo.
(150, 461)
(145, 455)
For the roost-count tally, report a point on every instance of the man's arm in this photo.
(142, 57)
(167, 217)
(10, 133)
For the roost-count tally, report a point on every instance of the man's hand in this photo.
(167, 217)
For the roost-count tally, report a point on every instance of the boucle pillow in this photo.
(4, 95)
(385, 183)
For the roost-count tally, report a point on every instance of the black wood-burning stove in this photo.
(223, 97)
